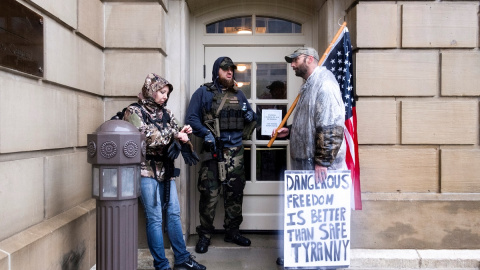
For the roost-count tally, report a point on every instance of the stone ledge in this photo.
(20, 242)
(361, 259)
(414, 259)
(421, 197)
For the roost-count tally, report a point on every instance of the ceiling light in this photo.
(241, 68)
(244, 32)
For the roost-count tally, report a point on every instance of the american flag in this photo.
(339, 62)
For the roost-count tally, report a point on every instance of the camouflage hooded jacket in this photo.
(157, 140)
(159, 135)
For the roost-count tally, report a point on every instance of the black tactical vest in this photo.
(230, 114)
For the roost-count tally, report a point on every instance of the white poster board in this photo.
(271, 119)
(317, 220)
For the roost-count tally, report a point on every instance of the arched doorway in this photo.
(257, 38)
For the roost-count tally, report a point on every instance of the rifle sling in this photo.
(222, 103)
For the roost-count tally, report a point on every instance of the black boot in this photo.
(202, 244)
(237, 238)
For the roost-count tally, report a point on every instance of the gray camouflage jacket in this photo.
(316, 135)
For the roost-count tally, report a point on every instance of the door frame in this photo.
(201, 40)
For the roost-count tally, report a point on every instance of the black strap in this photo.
(166, 193)
(222, 103)
(147, 118)
(168, 164)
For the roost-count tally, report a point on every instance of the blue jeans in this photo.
(152, 198)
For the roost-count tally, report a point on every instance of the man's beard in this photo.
(301, 69)
(227, 83)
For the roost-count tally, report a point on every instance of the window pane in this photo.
(109, 182)
(271, 81)
(258, 128)
(240, 25)
(128, 181)
(247, 161)
(243, 76)
(271, 163)
(96, 181)
(265, 25)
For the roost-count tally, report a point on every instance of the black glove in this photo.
(189, 155)
(248, 116)
(174, 150)
(209, 142)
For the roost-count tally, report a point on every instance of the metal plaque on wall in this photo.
(21, 38)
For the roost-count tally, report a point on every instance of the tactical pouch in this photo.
(328, 141)
(223, 120)
(231, 119)
(240, 120)
(236, 119)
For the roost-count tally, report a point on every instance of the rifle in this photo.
(170, 172)
(217, 148)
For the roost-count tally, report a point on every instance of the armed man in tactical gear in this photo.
(220, 114)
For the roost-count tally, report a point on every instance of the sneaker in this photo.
(202, 244)
(190, 264)
(238, 239)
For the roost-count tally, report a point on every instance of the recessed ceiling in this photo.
(199, 6)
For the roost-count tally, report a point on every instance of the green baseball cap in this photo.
(226, 63)
(300, 51)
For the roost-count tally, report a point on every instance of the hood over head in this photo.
(153, 83)
(222, 62)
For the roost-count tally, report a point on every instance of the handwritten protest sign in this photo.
(317, 220)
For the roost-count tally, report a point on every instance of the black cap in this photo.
(276, 85)
(226, 63)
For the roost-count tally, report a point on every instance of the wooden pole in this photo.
(298, 96)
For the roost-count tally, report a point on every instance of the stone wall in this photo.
(96, 56)
(417, 75)
(48, 216)
(417, 68)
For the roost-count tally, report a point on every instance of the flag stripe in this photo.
(339, 62)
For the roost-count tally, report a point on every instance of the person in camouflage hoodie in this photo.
(160, 127)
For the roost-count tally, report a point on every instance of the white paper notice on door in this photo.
(271, 119)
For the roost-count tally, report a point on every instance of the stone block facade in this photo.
(93, 50)
(440, 25)
(408, 221)
(397, 73)
(417, 75)
(460, 73)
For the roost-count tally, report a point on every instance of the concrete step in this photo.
(265, 249)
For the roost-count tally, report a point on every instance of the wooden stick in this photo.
(298, 96)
